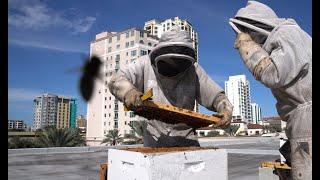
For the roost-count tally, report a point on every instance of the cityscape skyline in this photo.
(41, 51)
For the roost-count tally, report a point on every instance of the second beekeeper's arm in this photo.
(277, 68)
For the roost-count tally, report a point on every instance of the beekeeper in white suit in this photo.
(279, 54)
(177, 79)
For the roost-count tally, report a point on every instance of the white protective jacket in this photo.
(288, 75)
(180, 91)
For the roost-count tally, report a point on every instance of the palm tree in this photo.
(53, 137)
(139, 129)
(232, 129)
(17, 142)
(113, 137)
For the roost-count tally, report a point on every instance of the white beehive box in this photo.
(206, 164)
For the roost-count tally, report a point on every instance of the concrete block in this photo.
(204, 164)
(266, 173)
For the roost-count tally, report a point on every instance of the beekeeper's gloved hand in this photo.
(241, 39)
(224, 109)
(250, 51)
(132, 99)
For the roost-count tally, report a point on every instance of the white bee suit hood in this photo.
(174, 54)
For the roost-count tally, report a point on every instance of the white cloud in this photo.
(38, 44)
(20, 94)
(34, 14)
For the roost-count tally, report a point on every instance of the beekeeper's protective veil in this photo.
(174, 54)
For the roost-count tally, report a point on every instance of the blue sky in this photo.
(47, 38)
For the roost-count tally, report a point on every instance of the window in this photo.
(132, 33)
(155, 32)
(109, 116)
(143, 52)
(105, 115)
(132, 43)
(109, 50)
(141, 34)
(133, 53)
(132, 114)
(106, 90)
(116, 124)
(116, 115)
(141, 42)
(105, 98)
(110, 39)
(126, 61)
(118, 46)
(117, 66)
(127, 34)
(118, 37)
(127, 44)
(149, 44)
(109, 106)
(127, 54)
(104, 123)
(109, 97)
(117, 57)
(105, 106)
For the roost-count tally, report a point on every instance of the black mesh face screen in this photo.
(173, 49)
(173, 66)
(254, 23)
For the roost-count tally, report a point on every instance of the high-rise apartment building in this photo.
(256, 113)
(54, 110)
(118, 50)
(104, 111)
(237, 89)
(16, 124)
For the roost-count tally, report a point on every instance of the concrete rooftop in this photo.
(244, 158)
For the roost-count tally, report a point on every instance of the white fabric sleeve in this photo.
(127, 78)
(207, 89)
(287, 65)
